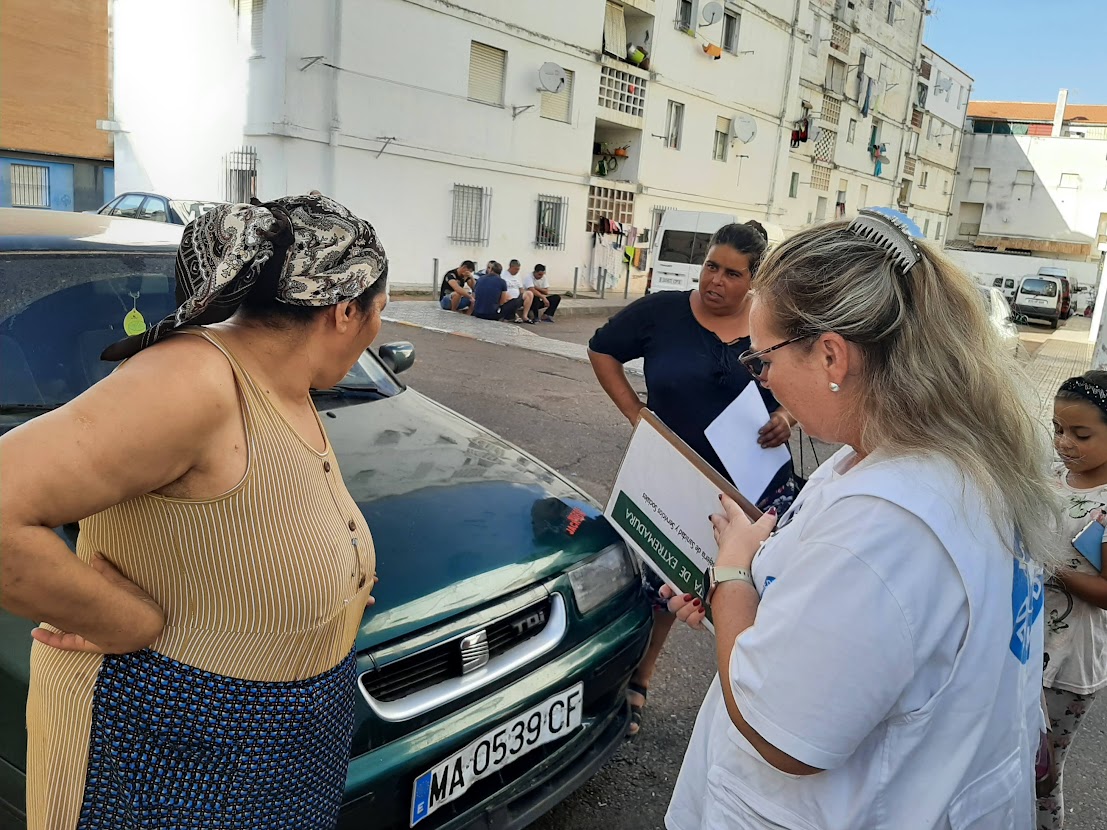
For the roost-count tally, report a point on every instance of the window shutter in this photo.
(486, 73)
(615, 31)
(559, 105)
(722, 125)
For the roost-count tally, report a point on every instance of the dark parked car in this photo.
(491, 671)
(155, 208)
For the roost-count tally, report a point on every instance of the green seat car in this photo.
(492, 670)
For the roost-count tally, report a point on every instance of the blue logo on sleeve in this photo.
(1027, 597)
(769, 580)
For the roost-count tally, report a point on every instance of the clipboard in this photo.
(661, 503)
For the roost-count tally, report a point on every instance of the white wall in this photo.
(985, 266)
(180, 89)
(1043, 210)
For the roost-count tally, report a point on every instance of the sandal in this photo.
(636, 710)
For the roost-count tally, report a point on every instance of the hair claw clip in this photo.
(890, 234)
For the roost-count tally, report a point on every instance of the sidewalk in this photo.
(1064, 353)
(426, 314)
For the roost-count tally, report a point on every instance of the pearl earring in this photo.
(835, 387)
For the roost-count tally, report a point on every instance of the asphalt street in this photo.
(553, 408)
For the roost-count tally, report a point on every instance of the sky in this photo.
(1022, 50)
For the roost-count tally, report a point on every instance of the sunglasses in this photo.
(753, 362)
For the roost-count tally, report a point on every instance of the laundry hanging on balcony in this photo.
(800, 131)
(867, 85)
(880, 156)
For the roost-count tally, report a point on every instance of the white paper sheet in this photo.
(733, 435)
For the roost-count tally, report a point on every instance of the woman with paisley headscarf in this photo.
(194, 665)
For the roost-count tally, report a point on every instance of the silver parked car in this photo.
(154, 207)
(999, 312)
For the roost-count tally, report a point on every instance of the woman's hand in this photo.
(776, 432)
(686, 607)
(148, 620)
(737, 537)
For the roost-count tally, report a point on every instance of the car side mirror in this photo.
(399, 356)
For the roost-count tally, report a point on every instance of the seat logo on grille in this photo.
(474, 652)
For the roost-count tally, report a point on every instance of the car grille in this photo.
(442, 662)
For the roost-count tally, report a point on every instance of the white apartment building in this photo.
(1032, 180)
(479, 129)
(941, 99)
(852, 108)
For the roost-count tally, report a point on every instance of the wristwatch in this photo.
(718, 575)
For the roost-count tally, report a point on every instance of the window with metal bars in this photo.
(549, 227)
(240, 175)
(472, 211)
(30, 185)
(617, 205)
(820, 177)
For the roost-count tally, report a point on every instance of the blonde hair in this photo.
(934, 377)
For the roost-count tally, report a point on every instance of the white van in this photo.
(1040, 297)
(1007, 286)
(681, 245)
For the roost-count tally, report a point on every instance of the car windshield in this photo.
(59, 311)
(189, 210)
(1039, 288)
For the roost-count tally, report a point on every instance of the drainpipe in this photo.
(783, 130)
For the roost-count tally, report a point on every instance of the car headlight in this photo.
(602, 577)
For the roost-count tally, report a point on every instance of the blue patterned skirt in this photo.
(172, 746)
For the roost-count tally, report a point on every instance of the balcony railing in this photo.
(622, 91)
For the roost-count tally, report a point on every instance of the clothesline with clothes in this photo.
(608, 256)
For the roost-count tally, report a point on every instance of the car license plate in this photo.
(552, 719)
(1037, 301)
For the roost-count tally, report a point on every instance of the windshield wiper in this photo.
(28, 407)
(343, 391)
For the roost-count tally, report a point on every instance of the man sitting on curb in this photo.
(538, 299)
(456, 292)
(490, 295)
(516, 297)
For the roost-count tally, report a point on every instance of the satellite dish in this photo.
(551, 78)
(743, 128)
(712, 13)
(943, 84)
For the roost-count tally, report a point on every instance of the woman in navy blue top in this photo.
(690, 342)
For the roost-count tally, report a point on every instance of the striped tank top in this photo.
(266, 582)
